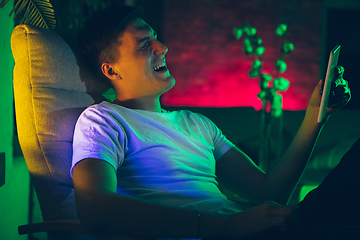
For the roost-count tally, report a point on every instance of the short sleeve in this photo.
(220, 142)
(98, 135)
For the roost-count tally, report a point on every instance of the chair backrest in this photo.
(52, 86)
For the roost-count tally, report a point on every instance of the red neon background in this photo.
(208, 63)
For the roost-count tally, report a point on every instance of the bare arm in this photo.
(241, 174)
(102, 210)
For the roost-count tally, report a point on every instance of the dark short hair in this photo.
(100, 34)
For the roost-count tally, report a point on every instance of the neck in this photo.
(152, 105)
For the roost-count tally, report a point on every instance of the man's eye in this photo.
(145, 46)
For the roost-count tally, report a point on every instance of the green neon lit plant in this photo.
(270, 86)
(34, 12)
(252, 46)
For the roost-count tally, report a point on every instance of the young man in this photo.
(144, 172)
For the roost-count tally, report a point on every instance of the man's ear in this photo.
(110, 72)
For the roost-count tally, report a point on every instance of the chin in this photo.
(170, 83)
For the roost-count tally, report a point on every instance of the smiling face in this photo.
(140, 70)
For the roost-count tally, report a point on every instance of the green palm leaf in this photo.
(35, 12)
(3, 3)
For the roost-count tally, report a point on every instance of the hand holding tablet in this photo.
(330, 73)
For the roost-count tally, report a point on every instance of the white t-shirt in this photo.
(167, 158)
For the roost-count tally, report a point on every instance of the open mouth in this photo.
(160, 68)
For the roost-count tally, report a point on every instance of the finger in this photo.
(319, 84)
(339, 71)
(276, 209)
(285, 222)
(283, 211)
(274, 203)
(281, 223)
(341, 82)
(341, 101)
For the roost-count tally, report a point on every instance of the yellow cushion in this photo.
(52, 86)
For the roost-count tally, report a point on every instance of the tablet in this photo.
(332, 64)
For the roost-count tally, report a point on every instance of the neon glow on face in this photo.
(142, 64)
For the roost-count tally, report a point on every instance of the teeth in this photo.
(159, 66)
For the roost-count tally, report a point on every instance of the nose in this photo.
(159, 48)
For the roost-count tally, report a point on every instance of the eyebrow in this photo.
(144, 39)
